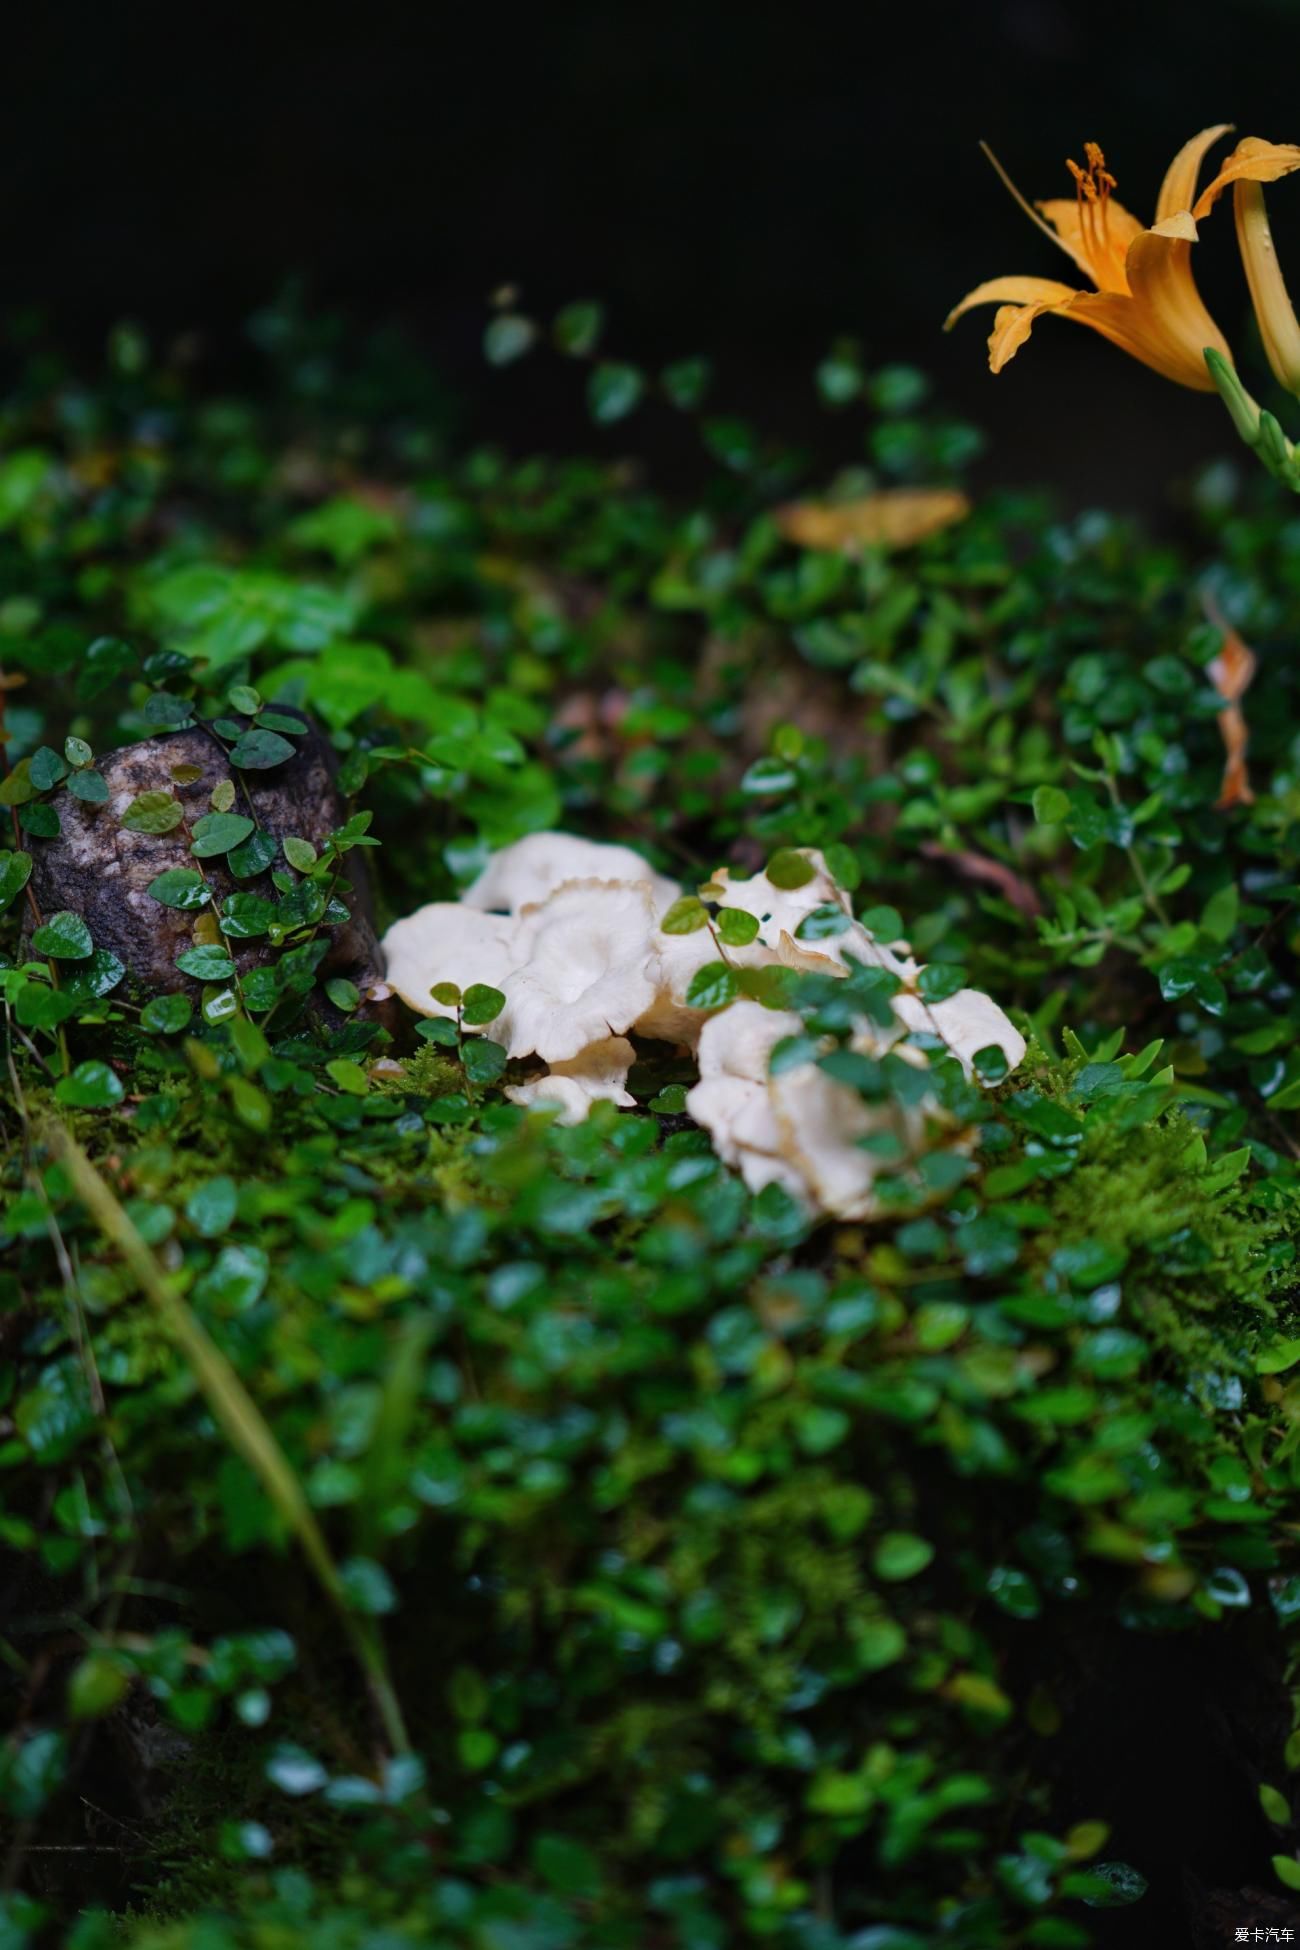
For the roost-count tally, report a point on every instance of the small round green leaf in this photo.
(614, 391)
(577, 328)
(180, 887)
(165, 1014)
(940, 979)
(258, 751)
(162, 709)
(823, 923)
(93, 977)
(507, 338)
(885, 923)
(15, 872)
(153, 812)
(46, 768)
(712, 987)
(40, 820)
(484, 1060)
(299, 853)
(568, 1866)
(245, 915)
(97, 1684)
(206, 964)
(736, 927)
(685, 383)
(482, 1004)
(685, 916)
(900, 1555)
(92, 1086)
(64, 937)
(90, 787)
(368, 1586)
(769, 776)
(349, 1076)
(1051, 806)
(789, 869)
(211, 1208)
(253, 857)
(218, 832)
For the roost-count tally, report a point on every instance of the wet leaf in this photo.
(63, 937)
(180, 887)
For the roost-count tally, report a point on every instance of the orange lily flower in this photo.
(1145, 300)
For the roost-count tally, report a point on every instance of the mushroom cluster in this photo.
(571, 932)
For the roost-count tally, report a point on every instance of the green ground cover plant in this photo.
(424, 1522)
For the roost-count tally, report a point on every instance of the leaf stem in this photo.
(237, 1415)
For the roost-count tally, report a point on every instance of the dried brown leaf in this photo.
(1231, 673)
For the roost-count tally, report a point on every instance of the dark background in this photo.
(744, 180)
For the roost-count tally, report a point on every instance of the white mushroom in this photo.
(598, 1074)
(780, 911)
(968, 1022)
(588, 969)
(823, 1123)
(731, 1098)
(800, 1129)
(525, 873)
(804, 1129)
(582, 960)
(446, 942)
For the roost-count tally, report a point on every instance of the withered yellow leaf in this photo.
(894, 518)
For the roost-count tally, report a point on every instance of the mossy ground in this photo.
(518, 1537)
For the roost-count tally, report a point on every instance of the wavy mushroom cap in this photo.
(533, 868)
(968, 1022)
(731, 1100)
(446, 942)
(780, 912)
(588, 969)
(597, 1075)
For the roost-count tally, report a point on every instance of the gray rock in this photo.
(101, 870)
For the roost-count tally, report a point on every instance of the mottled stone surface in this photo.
(101, 870)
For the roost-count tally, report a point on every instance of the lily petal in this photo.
(1252, 161)
(1012, 325)
(1176, 326)
(1100, 250)
(1278, 326)
(1179, 186)
(1181, 225)
(1011, 291)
